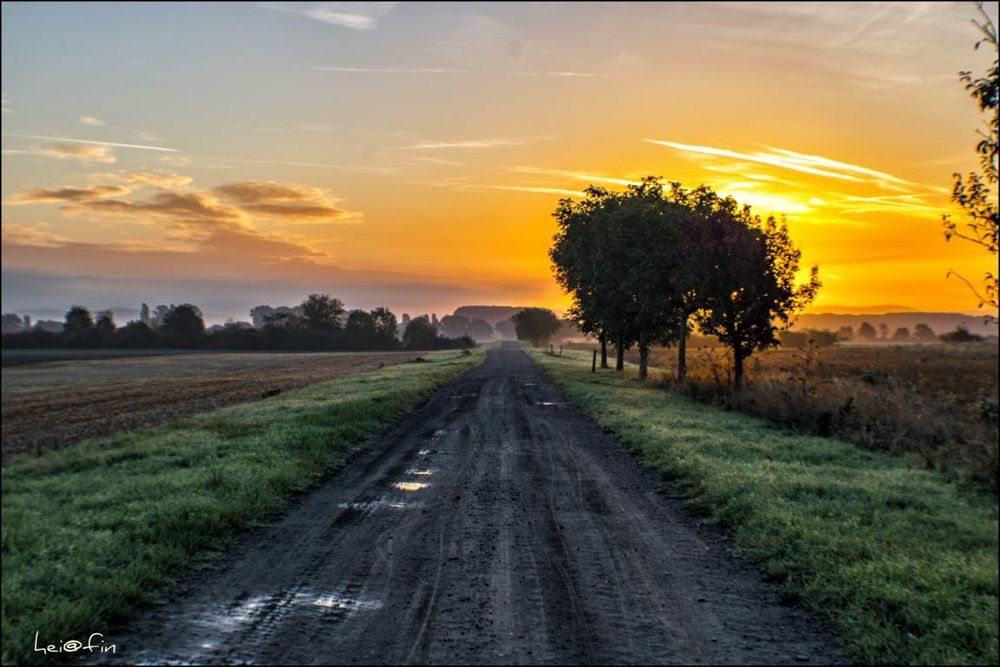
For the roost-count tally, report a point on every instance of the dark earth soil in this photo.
(495, 524)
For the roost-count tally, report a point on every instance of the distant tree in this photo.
(975, 193)
(479, 329)
(183, 325)
(454, 325)
(156, 319)
(105, 322)
(136, 334)
(144, 314)
(359, 331)
(867, 331)
(845, 332)
(505, 330)
(78, 318)
(960, 335)
(420, 335)
(385, 328)
(536, 325)
(883, 330)
(434, 322)
(902, 333)
(923, 332)
(751, 289)
(322, 312)
(12, 324)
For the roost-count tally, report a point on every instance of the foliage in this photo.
(322, 312)
(976, 193)
(78, 319)
(960, 335)
(183, 325)
(536, 325)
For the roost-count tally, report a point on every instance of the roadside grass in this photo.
(902, 561)
(93, 532)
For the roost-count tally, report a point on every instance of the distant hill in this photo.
(860, 310)
(491, 314)
(939, 322)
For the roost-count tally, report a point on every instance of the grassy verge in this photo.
(902, 561)
(93, 532)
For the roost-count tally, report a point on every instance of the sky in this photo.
(411, 154)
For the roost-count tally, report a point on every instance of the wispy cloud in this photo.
(6, 102)
(534, 189)
(92, 121)
(288, 163)
(65, 195)
(81, 153)
(353, 15)
(92, 142)
(391, 70)
(575, 175)
(563, 74)
(473, 143)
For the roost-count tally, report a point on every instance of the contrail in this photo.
(96, 143)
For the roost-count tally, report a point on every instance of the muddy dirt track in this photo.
(495, 524)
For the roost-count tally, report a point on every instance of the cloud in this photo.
(318, 165)
(141, 178)
(392, 70)
(472, 143)
(20, 235)
(562, 74)
(530, 188)
(353, 15)
(809, 164)
(291, 202)
(190, 214)
(575, 175)
(93, 143)
(63, 195)
(6, 102)
(84, 154)
(175, 161)
(91, 120)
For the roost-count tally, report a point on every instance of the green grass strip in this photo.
(93, 532)
(902, 561)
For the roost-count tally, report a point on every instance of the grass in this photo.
(902, 561)
(94, 532)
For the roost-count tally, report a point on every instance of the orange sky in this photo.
(412, 155)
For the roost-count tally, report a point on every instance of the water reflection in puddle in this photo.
(425, 452)
(367, 505)
(420, 473)
(410, 486)
(547, 404)
(333, 601)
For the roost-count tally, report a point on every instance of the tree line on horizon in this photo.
(319, 323)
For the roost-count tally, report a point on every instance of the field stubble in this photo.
(53, 405)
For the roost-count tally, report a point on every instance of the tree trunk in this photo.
(643, 357)
(738, 367)
(620, 353)
(682, 368)
(604, 350)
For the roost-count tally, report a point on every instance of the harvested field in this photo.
(37, 356)
(52, 405)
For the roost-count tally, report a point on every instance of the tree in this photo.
(454, 325)
(845, 332)
(385, 327)
(751, 287)
(974, 193)
(78, 318)
(420, 334)
(960, 335)
(359, 330)
(883, 330)
(136, 334)
(506, 331)
(156, 319)
(183, 325)
(144, 313)
(867, 331)
(536, 325)
(322, 312)
(105, 322)
(902, 333)
(923, 332)
(479, 329)
(12, 324)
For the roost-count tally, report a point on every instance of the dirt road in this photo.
(494, 525)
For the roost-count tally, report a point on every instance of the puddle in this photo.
(425, 452)
(369, 505)
(439, 433)
(420, 473)
(410, 486)
(547, 404)
(529, 384)
(335, 602)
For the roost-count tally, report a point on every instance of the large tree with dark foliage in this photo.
(183, 326)
(78, 319)
(322, 312)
